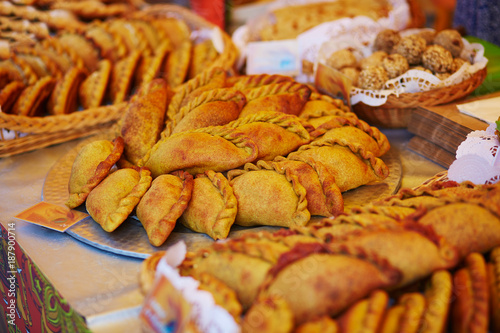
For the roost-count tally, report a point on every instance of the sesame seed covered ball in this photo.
(374, 59)
(341, 58)
(395, 65)
(451, 40)
(411, 47)
(372, 78)
(386, 40)
(437, 59)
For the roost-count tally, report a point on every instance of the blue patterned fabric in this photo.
(479, 18)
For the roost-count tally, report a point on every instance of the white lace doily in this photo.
(477, 158)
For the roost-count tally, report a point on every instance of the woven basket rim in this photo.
(103, 115)
(436, 96)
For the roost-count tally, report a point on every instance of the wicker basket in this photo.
(19, 134)
(396, 112)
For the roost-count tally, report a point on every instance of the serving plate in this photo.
(130, 238)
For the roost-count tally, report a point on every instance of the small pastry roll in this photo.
(268, 315)
(275, 133)
(211, 148)
(351, 164)
(211, 108)
(312, 273)
(469, 310)
(366, 315)
(64, 98)
(112, 201)
(163, 204)
(9, 94)
(91, 166)
(93, 88)
(286, 97)
(438, 295)
(87, 51)
(122, 76)
(142, 121)
(322, 324)
(322, 193)
(32, 99)
(213, 206)
(204, 53)
(279, 186)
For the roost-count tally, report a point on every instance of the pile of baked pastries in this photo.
(250, 150)
(425, 260)
(58, 57)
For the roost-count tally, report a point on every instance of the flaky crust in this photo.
(91, 166)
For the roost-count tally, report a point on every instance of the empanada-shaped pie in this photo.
(91, 166)
(32, 99)
(405, 315)
(286, 203)
(163, 204)
(312, 292)
(321, 108)
(271, 314)
(86, 50)
(275, 133)
(350, 164)
(354, 131)
(323, 324)
(438, 295)
(213, 206)
(322, 193)
(252, 81)
(286, 97)
(212, 108)
(176, 66)
(404, 249)
(9, 94)
(210, 148)
(93, 89)
(142, 121)
(112, 201)
(203, 54)
(187, 92)
(64, 98)
(150, 66)
(122, 76)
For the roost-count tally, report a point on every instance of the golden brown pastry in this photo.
(93, 88)
(176, 66)
(268, 315)
(210, 148)
(275, 133)
(9, 94)
(212, 208)
(254, 183)
(354, 131)
(211, 108)
(64, 98)
(312, 292)
(322, 193)
(494, 284)
(469, 311)
(351, 164)
(142, 121)
(438, 295)
(286, 97)
(33, 98)
(112, 201)
(91, 166)
(366, 315)
(204, 53)
(322, 324)
(163, 204)
(406, 315)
